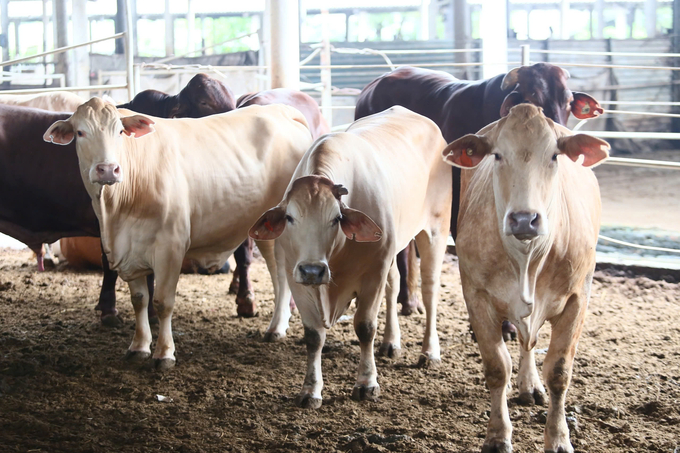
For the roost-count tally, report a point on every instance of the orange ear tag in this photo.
(268, 225)
(465, 158)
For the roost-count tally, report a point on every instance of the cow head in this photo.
(98, 130)
(203, 96)
(525, 150)
(545, 85)
(316, 222)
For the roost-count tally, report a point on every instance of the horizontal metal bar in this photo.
(49, 90)
(60, 50)
(639, 103)
(419, 65)
(640, 135)
(613, 54)
(645, 163)
(628, 112)
(615, 66)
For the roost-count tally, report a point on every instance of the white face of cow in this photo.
(527, 149)
(311, 223)
(98, 130)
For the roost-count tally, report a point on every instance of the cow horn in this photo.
(510, 80)
(566, 73)
(339, 190)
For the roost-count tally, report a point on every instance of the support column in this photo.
(61, 20)
(494, 38)
(285, 44)
(325, 58)
(169, 31)
(599, 13)
(650, 18)
(564, 19)
(120, 25)
(424, 30)
(81, 61)
(448, 21)
(675, 75)
(461, 30)
(191, 24)
(4, 24)
(135, 18)
(432, 19)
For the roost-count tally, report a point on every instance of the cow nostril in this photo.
(321, 271)
(535, 221)
(116, 170)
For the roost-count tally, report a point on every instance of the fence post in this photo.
(129, 50)
(524, 48)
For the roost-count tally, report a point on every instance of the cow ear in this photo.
(358, 226)
(509, 102)
(467, 151)
(584, 106)
(139, 125)
(270, 225)
(593, 150)
(510, 80)
(60, 133)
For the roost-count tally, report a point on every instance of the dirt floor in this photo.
(64, 386)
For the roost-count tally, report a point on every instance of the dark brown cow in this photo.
(462, 107)
(201, 97)
(42, 197)
(301, 101)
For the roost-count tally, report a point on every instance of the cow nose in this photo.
(312, 274)
(108, 173)
(524, 225)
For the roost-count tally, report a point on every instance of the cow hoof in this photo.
(498, 447)
(164, 364)
(562, 449)
(111, 320)
(363, 393)
(410, 306)
(246, 306)
(234, 285)
(273, 337)
(307, 401)
(509, 331)
(530, 399)
(390, 350)
(425, 361)
(137, 356)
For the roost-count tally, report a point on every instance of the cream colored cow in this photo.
(356, 199)
(55, 101)
(191, 189)
(527, 230)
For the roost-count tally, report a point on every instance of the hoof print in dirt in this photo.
(111, 321)
(389, 350)
(530, 399)
(428, 362)
(498, 447)
(307, 401)
(164, 364)
(273, 337)
(363, 393)
(137, 356)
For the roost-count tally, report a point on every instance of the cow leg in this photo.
(432, 249)
(365, 321)
(153, 317)
(274, 257)
(408, 282)
(310, 395)
(531, 390)
(140, 348)
(167, 272)
(391, 344)
(557, 368)
(245, 298)
(497, 370)
(107, 295)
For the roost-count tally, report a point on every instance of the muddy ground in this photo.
(64, 386)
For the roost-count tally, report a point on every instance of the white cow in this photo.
(55, 101)
(527, 231)
(332, 250)
(193, 188)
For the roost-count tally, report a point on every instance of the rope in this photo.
(637, 246)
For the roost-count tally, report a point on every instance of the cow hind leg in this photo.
(245, 297)
(391, 344)
(167, 275)
(310, 395)
(274, 257)
(557, 368)
(107, 296)
(408, 281)
(531, 390)
(140, 348)
(432, 248)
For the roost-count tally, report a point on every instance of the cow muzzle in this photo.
(312, 274)
(106, 174)
(525, 226)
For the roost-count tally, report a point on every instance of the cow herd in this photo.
(338, 217)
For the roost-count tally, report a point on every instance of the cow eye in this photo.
(497, 156)
(554, 158)
(80, 133)
(337, 220)
(121, 131)
(290, 219)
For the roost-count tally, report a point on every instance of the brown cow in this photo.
(462, 107)
(527, 229)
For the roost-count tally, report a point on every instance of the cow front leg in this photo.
(245, 297)
(497, 370)
(107, 295)
(391, 344)
(310, 395)
(432, 249)
(167, 275)
(274, 257)
(365, 321)
(531, 390)
(557, 368)
(140, 348)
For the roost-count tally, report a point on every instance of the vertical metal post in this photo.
(424, 30)
(169, 31)
(461, 18)
(524, 49)
(191, 25)
(46, 30)
(285, 44)
(599, 10)
(675, 77)
(80, 29)
(650, 18)
(325, 57)
(129, 50)
(62, 59)
(120, 24)
(494, 38)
